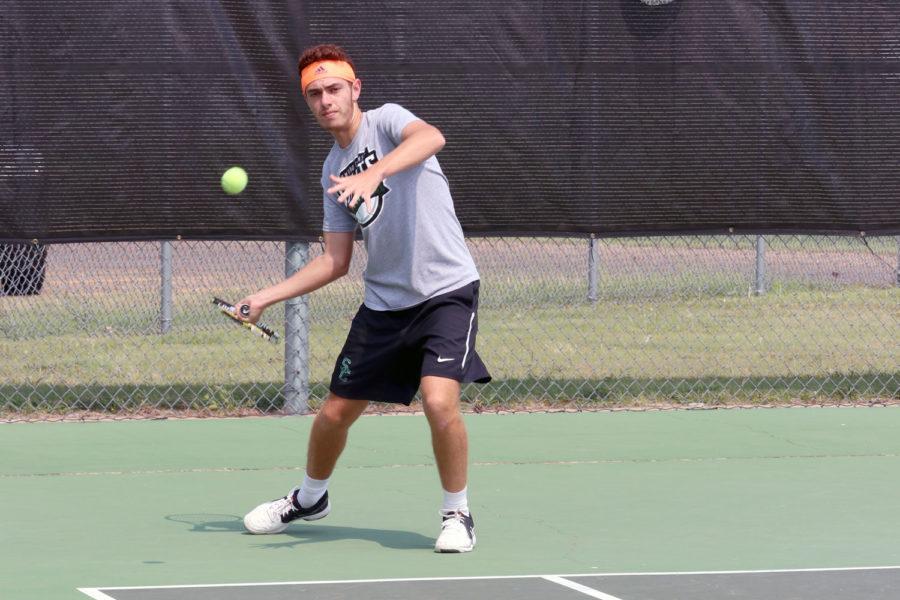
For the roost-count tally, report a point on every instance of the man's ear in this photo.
(356, 88)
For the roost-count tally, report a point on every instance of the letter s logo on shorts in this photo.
(344, 375)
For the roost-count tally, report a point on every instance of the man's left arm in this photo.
(419, 142)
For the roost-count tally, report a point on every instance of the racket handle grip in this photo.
(245, 309)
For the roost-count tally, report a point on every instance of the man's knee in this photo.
(339, 413)
(440, 399)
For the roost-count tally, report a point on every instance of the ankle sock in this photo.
(311, 491)
(456, 501)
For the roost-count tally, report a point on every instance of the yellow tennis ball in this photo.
(234, 180)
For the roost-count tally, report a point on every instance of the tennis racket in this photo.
(260, 329)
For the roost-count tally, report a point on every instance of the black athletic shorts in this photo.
(388, 352)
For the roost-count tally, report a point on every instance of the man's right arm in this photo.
(332, 264)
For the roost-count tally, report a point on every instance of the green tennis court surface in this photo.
(872, 584)
(764, 503)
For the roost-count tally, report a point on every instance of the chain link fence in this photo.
(126, 330)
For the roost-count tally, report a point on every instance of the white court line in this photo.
(739, 572)
(97, 594)
(88, 590)
(588, 591)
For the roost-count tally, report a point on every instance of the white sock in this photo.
(457, 501)
(311, 490)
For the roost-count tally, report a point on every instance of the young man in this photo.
(416, 328)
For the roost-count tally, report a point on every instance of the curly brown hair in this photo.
(322, 52)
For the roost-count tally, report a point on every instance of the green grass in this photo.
(794, 344)
(805, 243)
(802, 346)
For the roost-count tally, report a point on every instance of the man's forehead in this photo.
(321, 84)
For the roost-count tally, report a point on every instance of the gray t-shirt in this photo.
(414, 241)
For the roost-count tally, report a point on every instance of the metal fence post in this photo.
(165, 276)
(760, 265)
(898, 262)
(593, 262)
(296, 336)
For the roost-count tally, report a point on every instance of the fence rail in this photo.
(127, 329)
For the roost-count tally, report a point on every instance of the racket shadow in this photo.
(209, 523)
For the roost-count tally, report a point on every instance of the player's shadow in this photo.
(305, 533)
(389, 538)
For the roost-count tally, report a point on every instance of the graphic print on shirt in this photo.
(363, 161)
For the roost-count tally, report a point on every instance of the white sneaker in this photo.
(275, 516)
(457, 532)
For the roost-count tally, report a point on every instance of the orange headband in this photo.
(326, 68)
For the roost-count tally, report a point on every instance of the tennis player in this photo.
(417, 325)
